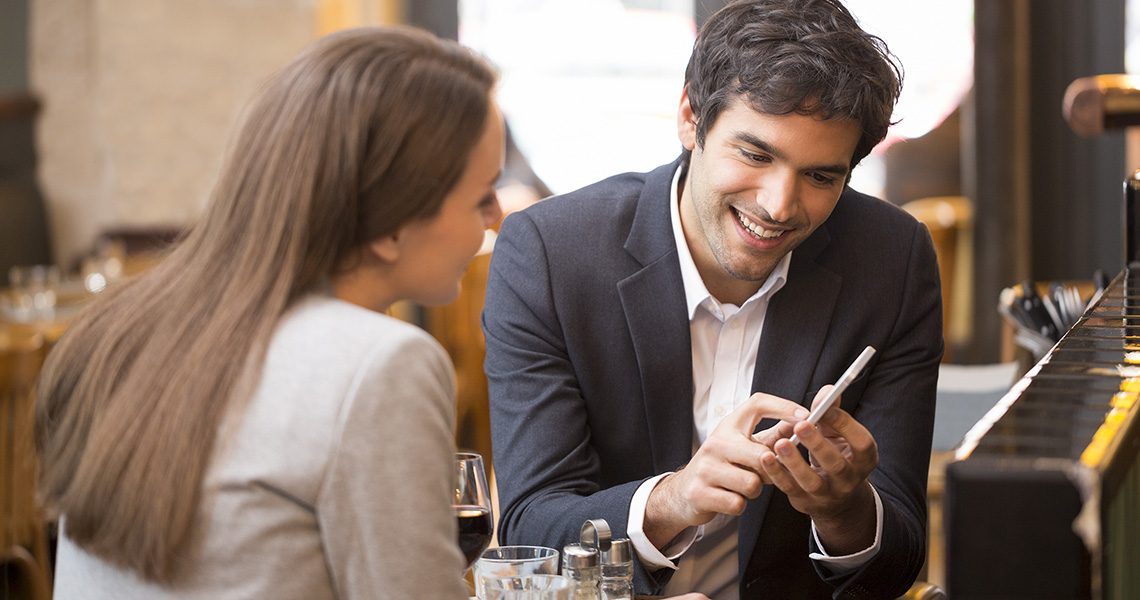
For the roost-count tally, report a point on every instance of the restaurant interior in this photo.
(114, 117)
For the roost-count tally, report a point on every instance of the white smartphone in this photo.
(840, 386)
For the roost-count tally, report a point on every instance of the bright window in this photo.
(934, 41)
(591, 87)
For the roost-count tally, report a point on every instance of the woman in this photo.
(242, 422)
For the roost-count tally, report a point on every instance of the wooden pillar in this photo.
(1076, 182)
(703, 9)
(23, 223)
(440, 17)
(1047, 203)
(995, 165)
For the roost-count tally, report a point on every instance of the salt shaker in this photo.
(617, 571)
(580, 563)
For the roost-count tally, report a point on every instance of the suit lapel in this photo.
(795, 329)
(796, 324)
(653, 299)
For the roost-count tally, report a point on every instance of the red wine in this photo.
(474, 530)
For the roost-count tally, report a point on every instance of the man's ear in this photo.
(386, 248)
(686, 122)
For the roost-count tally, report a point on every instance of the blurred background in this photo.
(114, 116)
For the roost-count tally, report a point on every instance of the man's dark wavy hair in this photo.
(793, 56)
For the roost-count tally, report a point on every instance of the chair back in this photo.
(922, 590)
(22, 533)
(950, 221)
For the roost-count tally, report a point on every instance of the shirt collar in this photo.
(695, 291)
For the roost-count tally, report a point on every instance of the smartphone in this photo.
(840, 386)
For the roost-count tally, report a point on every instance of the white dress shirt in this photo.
(725, 342)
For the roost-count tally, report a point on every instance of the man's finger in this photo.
(824, 453)
(758, 407)
(820, 395)
(779, 431)
(804, 476)
(845, 426)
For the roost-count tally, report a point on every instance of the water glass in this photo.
(513, 561)
(34, 291)
(530, 587)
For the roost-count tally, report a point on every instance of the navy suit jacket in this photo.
(589, 363)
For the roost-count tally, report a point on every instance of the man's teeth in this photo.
(755, 229)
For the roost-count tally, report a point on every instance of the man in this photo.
(653, 340)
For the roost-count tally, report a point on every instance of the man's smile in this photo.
(755, 228)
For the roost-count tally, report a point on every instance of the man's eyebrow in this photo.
(763, 146)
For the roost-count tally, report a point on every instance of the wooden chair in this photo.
(950, 221)
(457, 327)
(922, 590)
(24, 568)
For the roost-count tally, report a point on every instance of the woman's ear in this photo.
(386, 248)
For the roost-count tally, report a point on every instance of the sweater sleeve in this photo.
(384, 508)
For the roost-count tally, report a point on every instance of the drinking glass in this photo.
(34, 290)
(530, 587)
(513, 561)
(472, 505)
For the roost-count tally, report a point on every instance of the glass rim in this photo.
(546, 553)
(496, 582)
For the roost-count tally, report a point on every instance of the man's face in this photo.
(759, 186)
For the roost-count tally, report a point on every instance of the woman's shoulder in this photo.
(347, 321)
(329, 361)
(322, 329)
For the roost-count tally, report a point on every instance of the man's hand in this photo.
(832, 489)
(724, 474)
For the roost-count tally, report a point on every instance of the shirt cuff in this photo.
(850, 562)
(650, 556)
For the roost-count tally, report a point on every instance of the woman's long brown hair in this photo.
(363, 132)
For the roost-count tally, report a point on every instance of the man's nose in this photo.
(778, 195)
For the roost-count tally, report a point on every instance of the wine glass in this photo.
(472, 505)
